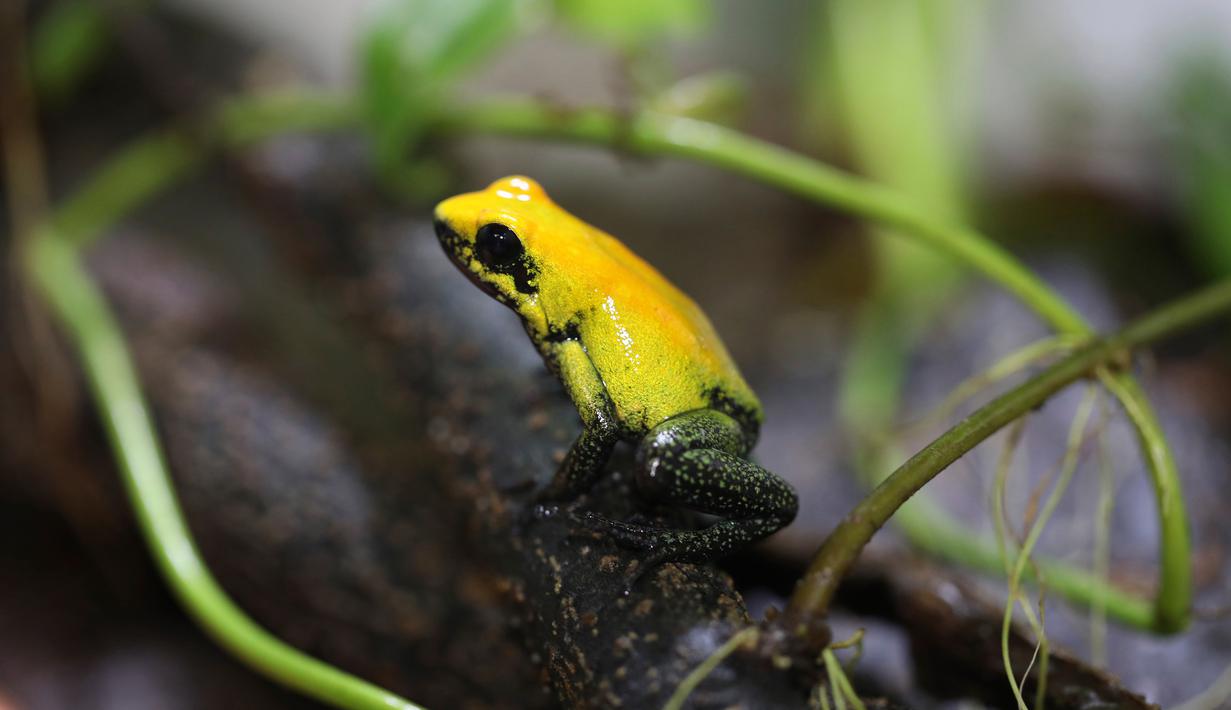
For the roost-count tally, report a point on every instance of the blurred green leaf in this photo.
(412, 49)
(717, 97)
(66, 43)
(628, 23)
(888, 67)
(1201, 99)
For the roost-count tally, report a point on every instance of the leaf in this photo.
(66, 44)
(627, 23)
(717, 97)
(410, 52)
(1201, 101)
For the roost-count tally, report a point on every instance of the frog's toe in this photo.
(581, 525)
(589, 525)
(631, 535)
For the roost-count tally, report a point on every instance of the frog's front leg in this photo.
(696, 459)
(589, 453)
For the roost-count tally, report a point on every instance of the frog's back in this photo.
(656, 351)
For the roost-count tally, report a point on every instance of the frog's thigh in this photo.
(689, 460)
(589, 453)
(700, 429)
(719, 483)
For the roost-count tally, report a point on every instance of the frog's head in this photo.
(493, 236)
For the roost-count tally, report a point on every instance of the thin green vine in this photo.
(1077, 434)
(744, 637)
(83, 311)
(838, 553)
(1102, 548)
(839, 684)
(156, 161)
(1012, 364)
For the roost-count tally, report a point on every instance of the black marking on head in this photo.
(449, 239)
(498, 248)
(525, 276)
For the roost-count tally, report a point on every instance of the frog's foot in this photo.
(694, 460)
(728, 485)
(645, 538)
(667, 545)
(628, 535)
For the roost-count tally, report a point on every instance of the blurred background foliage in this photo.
(1199, 99)
(1096, 139)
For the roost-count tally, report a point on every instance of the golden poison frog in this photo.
(639, 359)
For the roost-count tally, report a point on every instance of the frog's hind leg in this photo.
(696, 460)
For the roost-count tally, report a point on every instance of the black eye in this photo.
(497, 246)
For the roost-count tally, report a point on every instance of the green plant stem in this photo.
(1102, 549)
(840, 550)
(141, 170)
(152, 163)
(1072, 455)
(655, 134)
(1173, 601)
(703, 670)
(109, 371)
(843, 691)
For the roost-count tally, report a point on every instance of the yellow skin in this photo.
(653, 348)
(638, 358)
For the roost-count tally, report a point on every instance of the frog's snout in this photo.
(444, 232)
(449, 238)
(453, 246)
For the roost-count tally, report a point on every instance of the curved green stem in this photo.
(109, 371)
(1173, 601)
(155, 161)
(840, 550)
(657, 134)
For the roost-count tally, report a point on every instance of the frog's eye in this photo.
(497, 246)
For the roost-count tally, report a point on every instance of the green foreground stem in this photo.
(144, 168)
(816, 589)
(156, 161)
(109, 370)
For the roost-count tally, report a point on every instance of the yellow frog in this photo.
(638, 358)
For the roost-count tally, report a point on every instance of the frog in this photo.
(640, 361)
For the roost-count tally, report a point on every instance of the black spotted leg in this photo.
(696, 460)
(589, 453)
